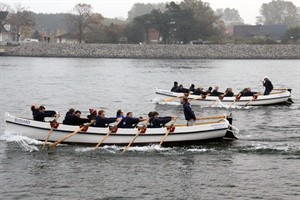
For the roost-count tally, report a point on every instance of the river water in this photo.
(262, 164)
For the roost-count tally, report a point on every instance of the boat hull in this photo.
(180, 135)
(277, 97)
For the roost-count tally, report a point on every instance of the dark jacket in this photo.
(128, 122)
(158, 122)
(188, 112)
(247, 94)
(104, 122)
(197, 91)
(216, 93)
(91, 117)
(229, 94)
(268, 87)
(77, 121)
(174, 88)
(68, 118)
(40, 116)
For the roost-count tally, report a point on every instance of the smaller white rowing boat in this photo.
(206, 128)
(277, 96)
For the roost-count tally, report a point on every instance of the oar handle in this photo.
(213, 117)
(51, 130)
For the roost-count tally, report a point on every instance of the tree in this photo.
(83, 19)
(181, 23)
(3, 15)
(139, 9)
(135, 33)
(230, 16)
(201, 21)
(292, 35)
(279, 12)
(20, 21)
(162, 23)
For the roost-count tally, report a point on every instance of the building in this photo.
(153, 35)
(67, 38)
(248, 32)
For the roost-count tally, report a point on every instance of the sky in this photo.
(248, 9)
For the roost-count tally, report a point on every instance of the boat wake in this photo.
(26, 144)
(118, 149)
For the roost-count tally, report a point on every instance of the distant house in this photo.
(153, 35)
(67, 38)
(274, 32)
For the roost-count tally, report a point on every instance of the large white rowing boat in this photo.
(206, 128)
(277, 96)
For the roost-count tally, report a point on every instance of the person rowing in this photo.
(102, 121)
(181, 89)
(158, 122)
(192, 88)
(175, 86)
(215, 92)
(228, 93)
(93, 114)
(39, 113)
(199, 91)
(69, 116)
(129, 121)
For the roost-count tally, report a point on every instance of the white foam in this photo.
(27, 144)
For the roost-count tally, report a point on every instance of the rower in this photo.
(39, 113)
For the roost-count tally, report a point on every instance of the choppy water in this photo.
(262, 164)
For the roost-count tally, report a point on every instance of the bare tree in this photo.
(3, 14)
(83, 19)
(20, 20)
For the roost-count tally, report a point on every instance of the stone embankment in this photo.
(155, 51)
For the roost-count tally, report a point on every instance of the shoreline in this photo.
(154, 51)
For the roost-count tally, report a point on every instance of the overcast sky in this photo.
(248, 9)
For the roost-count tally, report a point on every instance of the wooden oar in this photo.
(108, 133)
(235, 100)
(167, 133)
(213, 117)
(70, 135)
(232, 103)
(50, 132)
(172, 98)
(214, 103)
(254, 97)
(136, 135)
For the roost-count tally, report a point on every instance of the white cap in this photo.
(266, 77)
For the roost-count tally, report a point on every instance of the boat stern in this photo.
(231, 129)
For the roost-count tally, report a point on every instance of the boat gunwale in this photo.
(221, 121)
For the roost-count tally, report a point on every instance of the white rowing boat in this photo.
(206, 128)
(277, 96)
